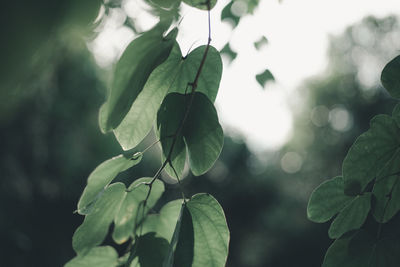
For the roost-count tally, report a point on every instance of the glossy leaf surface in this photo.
(327, 200)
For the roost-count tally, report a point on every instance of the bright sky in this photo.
(297, 31)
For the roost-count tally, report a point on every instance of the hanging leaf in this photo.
(226, 14)
(229, 52)
(201, 133)
(173, 75)
(373, 153)
(265, 77)
(98, 256)
(150, 251)
(390, 77)
(201, 4)
(137, 62)
(263, 41)
(204, 234)
(94, 228)
(351, 217)
(133, 209)
(327, 200)
(102, 176)
(387, 198)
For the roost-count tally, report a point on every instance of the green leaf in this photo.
(201, 4)
(102, 176)
(150, 251)
(226, 14)
(387, 198)
(204, 235)
(201, 132)
(263, 41)
(229, 52)
(166, 3)
(209, 78)
(265, 77)
(173, 75)
(94, 228)
(363, 250)
(137, 62)
(351, 217)
(164, 223)
(327, 200)
(373, 153)
(98, 256)
(133, 209)
(390, 77)
(142, 114)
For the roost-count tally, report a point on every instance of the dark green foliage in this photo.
(265, 77)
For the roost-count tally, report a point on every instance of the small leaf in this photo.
(390, 77)
(94, 228)
(98, 256)
(201, 4)
(137, 62)
(373, 153)
(133, 209)
(204, 236)
(263, 41)
(201, 132)
(265, 77)
(387, 196)
(229, 52)
(327, 200)
(351, 217)
(226, 14)
(101, 177)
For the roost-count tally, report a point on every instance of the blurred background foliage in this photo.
(51, 90)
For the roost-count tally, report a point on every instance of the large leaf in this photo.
(351, 217)
(133, 209)
(391, 77)
(201, 133)
(139, 59)
(94, 228)
(362, 250)
(387, 198)
(173, 75)
(201, 4)
(204, 235)
(102, 176)
(373, 153)
(327, 200)
(98, 256)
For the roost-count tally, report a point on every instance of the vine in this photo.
(150, 84)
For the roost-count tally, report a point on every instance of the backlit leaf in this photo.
(137, 62)
(201, 133)
(351, 217)
(95, 226)
(327, 200)
(102, 176)
(98, 256)
(133, 209)
(204, 235)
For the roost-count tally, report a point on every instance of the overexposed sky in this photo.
(297, 31)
